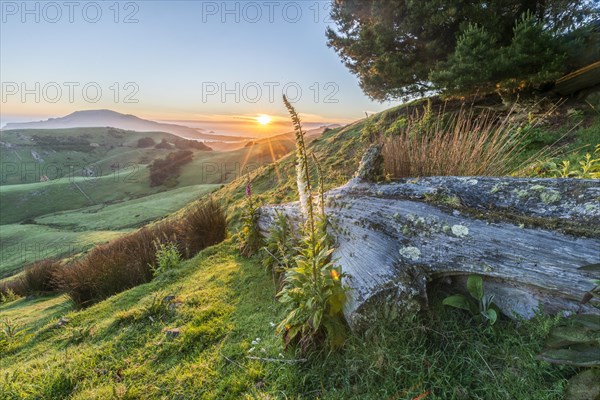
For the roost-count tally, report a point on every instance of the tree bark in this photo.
(525, 237)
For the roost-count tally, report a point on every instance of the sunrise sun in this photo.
(263, 119)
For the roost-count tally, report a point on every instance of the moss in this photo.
(564, 226)
(506, 215)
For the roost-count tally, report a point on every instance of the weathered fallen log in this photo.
(525, 237)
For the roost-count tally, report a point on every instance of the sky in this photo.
(216, 65)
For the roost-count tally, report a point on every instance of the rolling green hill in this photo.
(215, 339)
(28, 155)
(72, 213)
(67, 233)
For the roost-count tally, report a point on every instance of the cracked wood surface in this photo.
(526, 237)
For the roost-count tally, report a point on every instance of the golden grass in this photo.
(465, 143)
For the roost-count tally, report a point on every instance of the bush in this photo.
(280, 248)
(249, 238)
(11, 289)
(146, 142)
(186, 144)
(7, 294)
(584, 167)
(167, 257)
(130, 260)
(109, 269)
(473, 66)
(204, 225)
(163, 145)
(39, 277)
(168, 168)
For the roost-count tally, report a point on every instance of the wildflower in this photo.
(302, 172)
(335, 275)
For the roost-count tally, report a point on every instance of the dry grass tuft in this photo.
(129, 261)
(465, 143)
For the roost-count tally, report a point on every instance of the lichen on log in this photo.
(525, 237)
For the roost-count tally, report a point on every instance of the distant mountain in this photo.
(103, 118)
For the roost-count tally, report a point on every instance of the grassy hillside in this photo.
(39, 152)
(216, 338)
(224, 312)
(24, 197)
(71, 232)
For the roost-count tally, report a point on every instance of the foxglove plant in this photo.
(313, 290)
(249, 237)
(302, 169)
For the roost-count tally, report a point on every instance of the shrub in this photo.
(164, 145)
(466, 144)
(186, 144)
(587, 167)
(204, 225)
(280, 248)
(162, 170)
(249, 238)
(109, 269)
(7, 294)
(473, 66)
(39, 277)
(167, 257)
(12, 335)
(146, 142)
(130, 260)
(12, 289)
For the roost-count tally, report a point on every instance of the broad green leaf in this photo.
(592, 322)
(475, 286)
(583, 386)
(576, 355)
(562, 336)
(486, 302)
(457, 301)
(593, 268)
(490, 315)
(317, 319)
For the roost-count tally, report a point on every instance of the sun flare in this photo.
(263, 119)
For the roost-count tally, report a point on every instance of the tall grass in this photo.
(465, 143)
(39, 277)
(129, 261)
(203, 226)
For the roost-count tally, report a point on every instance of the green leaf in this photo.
(490, 315)
(458, 301)
(562, 336)
(591, 322)
(583, 386)
(487, 302)
(475, 286)
(576, 355)
(591, 268)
